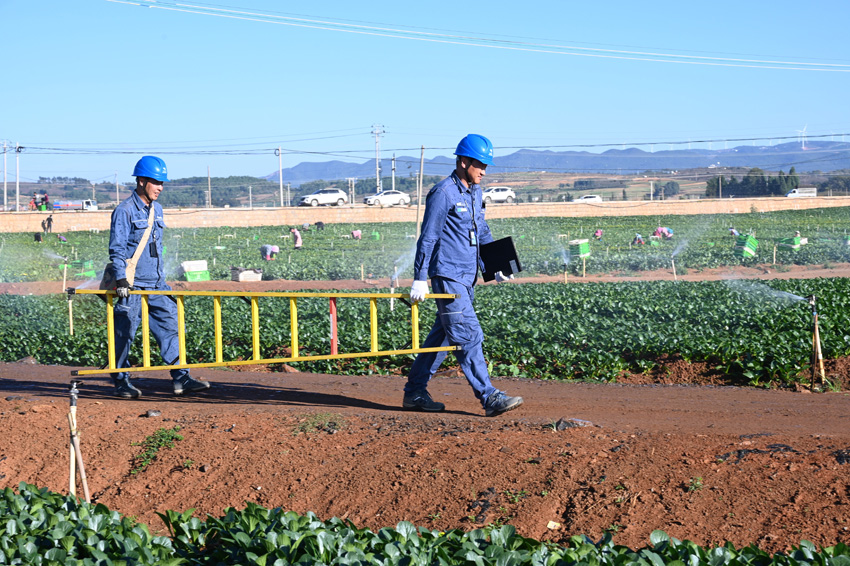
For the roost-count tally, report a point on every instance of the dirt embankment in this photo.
(710, 464)
(707, 463)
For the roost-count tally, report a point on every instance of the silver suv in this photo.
(329, 196)
(589, 198)
(388, 198)
(499, 194)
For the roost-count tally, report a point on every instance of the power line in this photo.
(349, 153)
(483, 41)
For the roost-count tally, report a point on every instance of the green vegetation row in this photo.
(41, 528)
(700, 241)
(755, 332)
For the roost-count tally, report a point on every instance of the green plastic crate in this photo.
(744, 252)
(790, 243)
(197, 275)
(86, 265)
(579, 248)
(747, 242)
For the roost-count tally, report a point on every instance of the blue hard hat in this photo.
(476, 147)
(153, 167)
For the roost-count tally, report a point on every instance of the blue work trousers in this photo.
(163, 323)
(456, 325)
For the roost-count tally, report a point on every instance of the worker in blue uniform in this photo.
(127, 230)
(447, 251)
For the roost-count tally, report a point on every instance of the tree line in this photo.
(839, 184)
(754, 184)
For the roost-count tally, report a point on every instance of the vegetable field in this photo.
(755, 332)
(386, 249)
(59, 530)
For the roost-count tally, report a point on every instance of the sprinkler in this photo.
(565, 273)
(817, 354)
(673, 263)
(76, 461)
(64, 271)
(393, 283)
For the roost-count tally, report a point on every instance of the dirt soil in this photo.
(707, 462)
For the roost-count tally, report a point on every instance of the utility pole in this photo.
(393, 171)
(351, 188)
(720, 186)
(209, 188)
(378, 130)
(5, 197)
(419, 191)
(92, 190)
(250, 198)
(18, 150)
(288, 199)
(280, 173)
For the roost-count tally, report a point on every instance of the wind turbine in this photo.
(802, 136)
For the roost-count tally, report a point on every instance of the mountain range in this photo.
(815, 156)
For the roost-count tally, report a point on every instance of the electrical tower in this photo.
(378, 130)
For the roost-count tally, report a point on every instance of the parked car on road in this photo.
(329, 196)
(803, 192)
(388, 198)
(499, 194)
(589, 198)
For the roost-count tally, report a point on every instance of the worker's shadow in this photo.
(222, 392)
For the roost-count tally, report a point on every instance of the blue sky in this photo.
(91, 85)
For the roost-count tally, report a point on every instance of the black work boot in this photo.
(499, 403)
(188, 384)
(124, 390)
(421, 401)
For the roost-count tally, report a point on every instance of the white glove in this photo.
(123, 289)
(418, 291)
(501, 278)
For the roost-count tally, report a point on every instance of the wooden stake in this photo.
(70, 316)
(817, 355)
(583, 267)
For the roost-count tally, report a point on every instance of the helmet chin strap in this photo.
(144, 194)
(465, 170)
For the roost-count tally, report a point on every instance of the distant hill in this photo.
(818, 156)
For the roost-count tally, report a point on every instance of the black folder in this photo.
(499, 256)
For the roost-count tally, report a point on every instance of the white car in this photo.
(328, 196)
(499, 194)
(388, 198)
(589, 198)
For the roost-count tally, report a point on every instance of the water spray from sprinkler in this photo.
(565, 257)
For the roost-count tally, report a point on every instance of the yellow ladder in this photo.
(254, 298)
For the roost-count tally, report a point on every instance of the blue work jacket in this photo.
(452, 230)
(129, 221)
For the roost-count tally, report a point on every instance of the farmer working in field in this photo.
(135, 250)
(297, 241)
(268, 251)
(447, 251)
